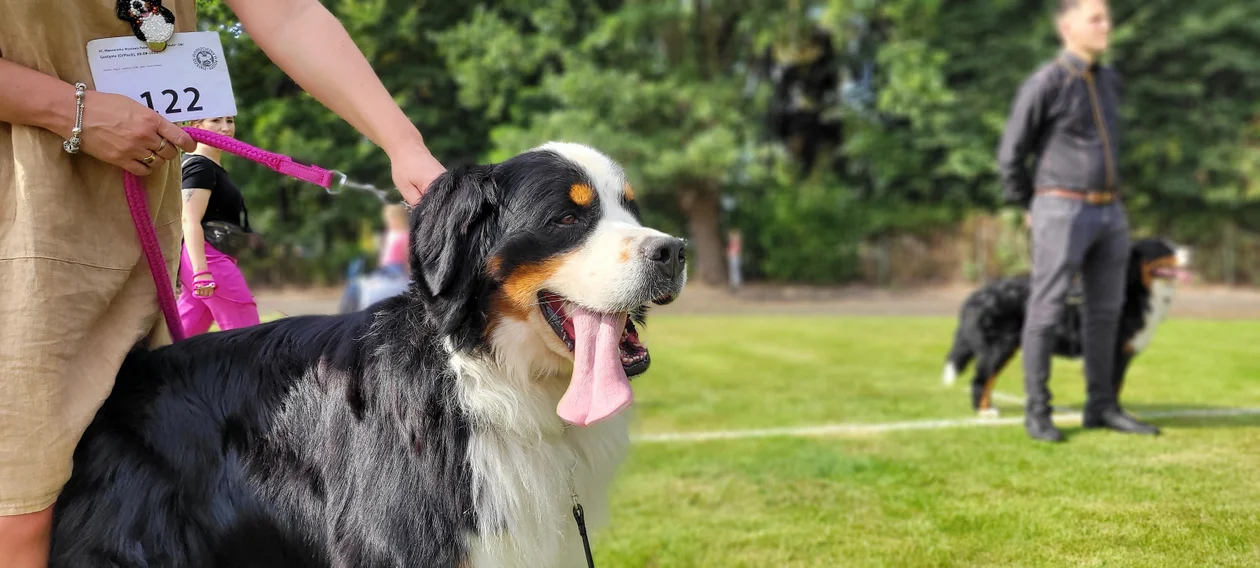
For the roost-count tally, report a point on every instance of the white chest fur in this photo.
(525, 466)
(1156, 310)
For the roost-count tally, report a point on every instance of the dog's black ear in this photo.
(1135, 266)
(452, 235)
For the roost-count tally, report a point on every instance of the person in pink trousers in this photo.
(395, 245)
(212, 288)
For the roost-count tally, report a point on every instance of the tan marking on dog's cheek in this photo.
(628, 193)
(581, 194)
(1148, 269)
(523, 284)
(502, 308)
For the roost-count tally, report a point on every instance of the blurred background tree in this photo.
(850, 140)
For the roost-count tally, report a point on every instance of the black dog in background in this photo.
(991, 322)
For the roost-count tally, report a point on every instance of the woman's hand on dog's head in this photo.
(414, 169)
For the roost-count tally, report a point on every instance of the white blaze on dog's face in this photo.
(570, 268)
(619, 258)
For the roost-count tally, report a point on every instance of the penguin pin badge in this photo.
(152, 22)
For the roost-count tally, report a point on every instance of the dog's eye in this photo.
(569, 219)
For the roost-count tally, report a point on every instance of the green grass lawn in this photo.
(969, 496)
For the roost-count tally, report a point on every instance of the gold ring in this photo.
(148, 160)
(160, 146)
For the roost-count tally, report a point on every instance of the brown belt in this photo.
(1091, 197)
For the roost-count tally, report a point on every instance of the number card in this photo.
(187, 81)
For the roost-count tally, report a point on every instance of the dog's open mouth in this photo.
(558, 312)
(606, 353)
(1165, 272)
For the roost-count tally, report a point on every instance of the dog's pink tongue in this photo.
(599, 387)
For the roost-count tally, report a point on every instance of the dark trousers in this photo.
(1070, 236)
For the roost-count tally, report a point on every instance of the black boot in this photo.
(1040, 427)
(1118, 420)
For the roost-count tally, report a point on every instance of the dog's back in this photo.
(161, 475)
(989, 315)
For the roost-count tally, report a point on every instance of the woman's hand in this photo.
(203, 285)
(124, 133)
(116, 129)
(414, 168)
(304, 39)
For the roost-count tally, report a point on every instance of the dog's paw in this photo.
(949, 375)
(988, 414)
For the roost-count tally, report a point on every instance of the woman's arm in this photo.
(195, 202)
(116, 129)
(313, 48)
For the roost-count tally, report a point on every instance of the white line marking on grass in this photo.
(1004, 397)
(880, 427)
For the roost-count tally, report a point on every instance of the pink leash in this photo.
(139, 206)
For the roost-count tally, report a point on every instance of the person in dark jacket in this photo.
(1066, 118)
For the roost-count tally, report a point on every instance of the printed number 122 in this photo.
(170, 108)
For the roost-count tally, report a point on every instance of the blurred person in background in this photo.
(1066, 117)
(392, 274)
(396, 242)
(216, 232)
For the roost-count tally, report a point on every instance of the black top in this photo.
(1066, 115)
(226, 202)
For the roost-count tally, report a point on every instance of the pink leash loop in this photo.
(139, 206)
(137, 202)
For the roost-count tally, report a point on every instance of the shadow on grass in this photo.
(1177, 416)
(1169, 415)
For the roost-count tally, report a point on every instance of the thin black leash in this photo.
(580, 517)
(578, 514)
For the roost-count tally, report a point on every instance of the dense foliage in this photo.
(815, 127)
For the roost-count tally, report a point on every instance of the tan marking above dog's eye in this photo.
(629, 193)
(581, 194)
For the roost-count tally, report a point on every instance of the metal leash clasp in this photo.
(338, 184)
(343, 183)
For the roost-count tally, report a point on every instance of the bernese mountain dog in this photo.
(454, 425)
(991, 321)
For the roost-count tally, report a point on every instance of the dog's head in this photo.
(134, 8)
(543, 258)
(1153, 260)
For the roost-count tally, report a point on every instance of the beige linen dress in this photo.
(75, 293)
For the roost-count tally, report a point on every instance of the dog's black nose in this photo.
(668, 254)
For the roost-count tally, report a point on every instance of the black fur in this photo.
(991, 323)
(312, 441)
(317, 441)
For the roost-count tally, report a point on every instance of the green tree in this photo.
(947, 72)
(659, 85)
(276, 114)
